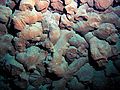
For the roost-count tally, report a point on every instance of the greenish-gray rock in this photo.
(111, 70)
(85, 73)
(75, 85)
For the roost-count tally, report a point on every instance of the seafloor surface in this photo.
(59, 44)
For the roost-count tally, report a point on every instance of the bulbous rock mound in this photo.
(103, 4)
(60, 44)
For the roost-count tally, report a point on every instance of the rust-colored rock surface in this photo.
(103, 4)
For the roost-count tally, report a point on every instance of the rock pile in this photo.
(59, 44)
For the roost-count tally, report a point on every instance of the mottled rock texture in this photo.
(59, 44)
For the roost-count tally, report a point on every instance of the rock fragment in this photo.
(111, 69)
(3, 29)
(42, 5)
(29, 58)
(12, 67)
(36, 79)
(71, 8)
(71, 54)
(19, 44)
(103, 4)
(74, 84)
(85, 74)
(30, 32)
(22, 18)
(105, 30)
(100, 49)
(65, 23)
(57, 5)
(26, 5)
(6, 45)
(110, 18)
(60, 84)
(5, 13)
(51, 26)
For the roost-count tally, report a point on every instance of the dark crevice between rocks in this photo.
(11, 30)
(116, 3)
(63, 2)
(16, 6)
(78, 3)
